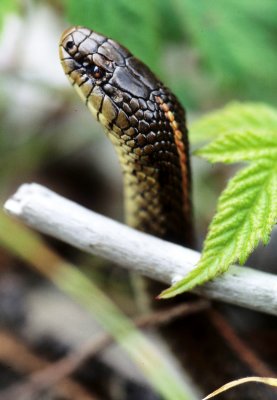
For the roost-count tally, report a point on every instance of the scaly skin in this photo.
(146, 124)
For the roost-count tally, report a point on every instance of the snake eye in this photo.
(95, 71)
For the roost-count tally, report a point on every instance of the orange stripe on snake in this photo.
(178, 138)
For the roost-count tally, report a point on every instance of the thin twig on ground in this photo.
(56, 373)
(19, 357)
(239, 347)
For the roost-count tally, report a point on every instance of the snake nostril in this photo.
(69, 45)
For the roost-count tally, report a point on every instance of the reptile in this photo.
(147, 126)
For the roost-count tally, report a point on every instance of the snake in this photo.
(146, 124)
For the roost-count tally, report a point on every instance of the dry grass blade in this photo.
(28, 246)
(232, 384)
(51, 375)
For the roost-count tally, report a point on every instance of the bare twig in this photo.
(56, 216)
(16, 354)
(50, 375)
(238, 345)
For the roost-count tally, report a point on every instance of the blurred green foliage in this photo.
(134, 24)
(208, 52)
(234, 41)
(229, 47)
(237, 40)
(6, 6)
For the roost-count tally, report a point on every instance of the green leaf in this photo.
(247, 211)
(247, 208)
(241, 146)
(233, 118)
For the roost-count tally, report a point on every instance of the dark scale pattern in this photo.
(154, 163)
(124, 100)
(152, 153)
(146, 124)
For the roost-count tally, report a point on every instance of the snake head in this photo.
(87, 57)
(112, 82)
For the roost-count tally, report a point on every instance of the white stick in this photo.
(56, 216)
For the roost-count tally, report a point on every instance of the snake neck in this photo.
(156, 171)
(146, 124)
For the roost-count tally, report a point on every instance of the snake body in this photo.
(146, 124)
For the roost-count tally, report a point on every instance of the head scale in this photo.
(105, 74)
